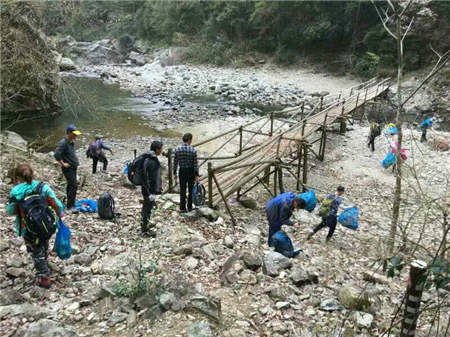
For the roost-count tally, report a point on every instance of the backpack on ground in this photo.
(325, 207)
(106, 206)
(283, 244)
(136, 169)
(39, 217)
(198, 194)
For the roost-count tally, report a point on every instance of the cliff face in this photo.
(28, 69)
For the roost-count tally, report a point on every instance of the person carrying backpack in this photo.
(66, 156)
(95, 151)
(151, 186)
(37, 210)
(426, 124)
(279, 210)
(328, 212)
(375, 131)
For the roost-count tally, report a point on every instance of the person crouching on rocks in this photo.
(151, 187)
(279, 210)
(95, 151)
(37, 210)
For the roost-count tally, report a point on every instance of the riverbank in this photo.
(194, 263)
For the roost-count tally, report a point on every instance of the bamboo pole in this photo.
(170, 167)
(210, 185)
(224, 200)
(305, 166)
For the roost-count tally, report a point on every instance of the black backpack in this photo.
(106, 206)
(39, 217)
(93, 150)
(198, 194)
(136, 169)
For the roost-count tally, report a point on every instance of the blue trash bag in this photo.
(310, 199)
(62, 245)
(349, 218)
(86, 205)
(125, 169)
(392, 131)
(389, 160)
(427, 123)
(283, 244)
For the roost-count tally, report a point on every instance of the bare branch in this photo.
(407, 29)
(406, 8)
(384, 22)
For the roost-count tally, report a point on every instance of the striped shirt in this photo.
(185, 158)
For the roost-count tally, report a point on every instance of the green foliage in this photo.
(367, 65)
(393, 266)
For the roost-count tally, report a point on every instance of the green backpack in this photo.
(325, 207)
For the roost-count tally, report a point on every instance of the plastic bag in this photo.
(125, 169)
(310, 199)
(349, 218)
(86, 205)
(62, 245)
(389, 160)
(391, 130)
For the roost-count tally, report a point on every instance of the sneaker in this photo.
(44, 281)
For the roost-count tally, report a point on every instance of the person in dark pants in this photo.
(65, 155)
(279, 210)
(95, 151)
(186, 159)
(375, 131)
(24, 186)
(426, 124)
(330, 220)
(151, 187)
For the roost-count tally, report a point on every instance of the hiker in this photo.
(186, 159)
(151, 187)
(66, 156)
(328, 212)
(375, 131)
(279, 211)
(426, 124)
(95, 151)
(24, 188)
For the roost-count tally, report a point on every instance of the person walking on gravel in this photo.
(95, 151)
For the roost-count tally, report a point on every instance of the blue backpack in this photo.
(349, 218)
(389, 160)
(86, 205)
(283, 244)
(310, 200)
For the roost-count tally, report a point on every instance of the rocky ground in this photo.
(202, 277)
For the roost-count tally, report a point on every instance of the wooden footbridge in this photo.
(251, 154)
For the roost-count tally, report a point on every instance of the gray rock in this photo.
(47, 328)
(84, 259)
(15, 272)
(362, 319)
(166, 300)
(191, 263)
(132, 318)
(301, 277)
(228, 241)
(208, 213)
(146, 301)
(24, 310)
(137, 59)
(10, 296)
(183, 250)
(13, 138)
(66, 64)
(352, 298)
(330, 304)
(248, 203)
(199, 329)
(248, 277)
(4, 245)
(274, 263)
(251, 260)
(207, 305)
(116, 317)
(282, 305)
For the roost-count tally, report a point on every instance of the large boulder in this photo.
(248, 203)
(47, 328)
(66, 64)
(208, 213)
(274, 263)
(13, 138)
(137, 59)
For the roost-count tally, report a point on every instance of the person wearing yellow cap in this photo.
(66, 156)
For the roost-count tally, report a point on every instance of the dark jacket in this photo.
(153, 169)
(66, 151)
(279, 209)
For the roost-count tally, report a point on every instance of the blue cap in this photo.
(72, 128)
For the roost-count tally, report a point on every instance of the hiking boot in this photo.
(44, 281)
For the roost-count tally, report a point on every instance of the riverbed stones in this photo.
(302, 277)
(362, 319)
(352, 298)
(208, 213)
(47, 328)
(329, 304)
(199, 329)
(166, 300)
(274, 263)
(116, 317)
(252, 260)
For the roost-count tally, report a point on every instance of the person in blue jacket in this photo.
(426, 124)
(25, 185)
(279, 210)
(95, 151)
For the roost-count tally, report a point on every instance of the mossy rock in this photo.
(353, 299)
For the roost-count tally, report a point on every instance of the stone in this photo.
(362, 319)
(253, 236)
(251, 260)
(13, 138)
(199, 329)
(4, 245)
(10, 296)
(66, 64)
(228, 241)
(274, 263)
(191, 263)
(330, 304)
(132, 318)
(116, 317)
(207, 305)
(375, 278)
(137, 58)
(47, 328)
(301, 277)
(24, 310)
(248, 277)
(83, 259)
(234, 333)
(208, 252)
(282, 305)
(15, 272)
(248, 203)
(97, 267)
(166, 300)
(353, 299)
(145, 301)
(208, 213)
(183, 250)
(74, 306)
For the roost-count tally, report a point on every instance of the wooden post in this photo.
(343, 126)
(299, 164)
(170, 166)
(271, 124)
(321, 103)
(266, 178)
(280, 179)
(323, 140)
(240, 140)
(135, 153)
(224, 200)
(416, 282)
(351, 92)
(305, 166)
(210, 181)
(303, 111)
(357, 99)
(275, 181)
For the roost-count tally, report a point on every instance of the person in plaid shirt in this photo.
(186, 159)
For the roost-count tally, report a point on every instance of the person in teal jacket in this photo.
(25, 186)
